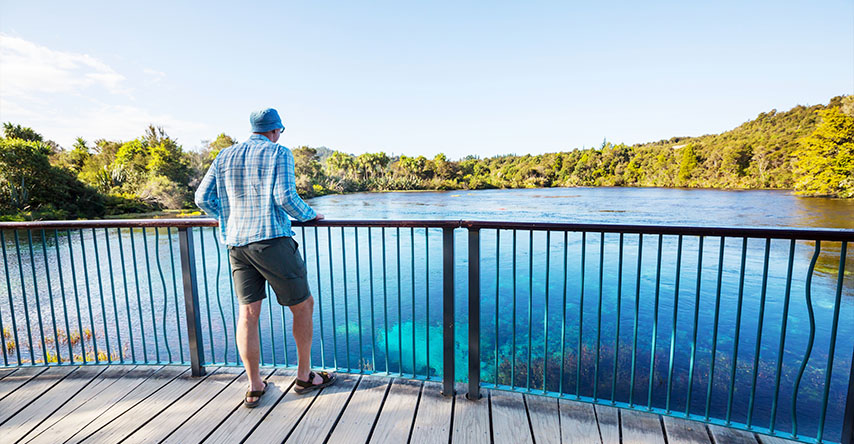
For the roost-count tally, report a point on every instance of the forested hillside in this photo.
(809, 149)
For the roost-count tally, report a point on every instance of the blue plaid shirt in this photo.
(251, 189)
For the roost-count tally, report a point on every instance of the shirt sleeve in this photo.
(286, 190)
(206, 197)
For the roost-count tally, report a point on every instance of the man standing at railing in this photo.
(250, 188)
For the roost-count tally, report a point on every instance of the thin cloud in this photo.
(28, 67)
(63, 95)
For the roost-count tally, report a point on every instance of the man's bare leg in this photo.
(248, 344)
(303, 331)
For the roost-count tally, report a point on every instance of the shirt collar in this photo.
(258, 137)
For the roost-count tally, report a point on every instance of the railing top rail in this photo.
(823, 234)
(110, 223)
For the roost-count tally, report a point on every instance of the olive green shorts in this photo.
(276, 261)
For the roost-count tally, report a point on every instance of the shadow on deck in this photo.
(146, 404)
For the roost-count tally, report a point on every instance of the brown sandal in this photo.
(254, 394)
(307, 386)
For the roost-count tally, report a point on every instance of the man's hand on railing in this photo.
(319, 217)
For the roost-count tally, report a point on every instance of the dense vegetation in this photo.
(809, 149)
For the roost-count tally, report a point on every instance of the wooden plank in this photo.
(358, 418)
(172, 417)
(509, 418)
(398, 411)
(242, 420)
(148, 409)
(765, 439)
(137, 385)
(471, 419)
(54, 398)
(609, 423)
(200, 425)
(545, 419)
(641, 428)
(731, 436)
(283, 418)
(31, 391)
(682, 431)
(6, 371)
(85, 396)
(433, 419)
(325, 410)
(577, 423)
(10, 383)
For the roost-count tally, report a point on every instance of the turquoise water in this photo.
(380, 313)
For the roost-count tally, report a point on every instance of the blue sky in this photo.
(481, 78)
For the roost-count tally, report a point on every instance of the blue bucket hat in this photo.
(265, 120)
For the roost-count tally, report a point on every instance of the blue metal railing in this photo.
(748, 328)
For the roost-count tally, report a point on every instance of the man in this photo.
(250, 189)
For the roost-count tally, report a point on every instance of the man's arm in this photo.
(206, 197)
(286, 191)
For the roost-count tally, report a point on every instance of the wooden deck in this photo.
(147, 404)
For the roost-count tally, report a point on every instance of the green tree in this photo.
(687, 164)
(825, 159)
(20, 132)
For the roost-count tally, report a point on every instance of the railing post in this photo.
(191, 301)
(448, 350)
(474, 314)
(848, 413)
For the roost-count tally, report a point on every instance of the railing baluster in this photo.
(497, 286)
(332, 300)
(113, 292)
(619, 313)
(759, 333)
(694, 330)
(837, 305)
(319, 297)
(474, 315)
(513, 362)
(151, 295)
(50, 295)
(14, 327)
(204, 260)
(599, 316)
(412, 281)
(191, 300)
(346, 305)
(77, 299)
(359, 301)
(61, 292)
(218, 300)
(563, 313)
(654, 324)
(101, 295)
(673, 327)
(371, 289)
(127, 300)
(635, 326)
(165, 294)
(715, 323)
(528, 369)
(448, 307)
(385, 302)
(546, 309)
(36, 295)
(427, 296)
(737, 331)
(808, 297)
(270, 296)
(580, 317)
(24, 297)
(175, 300)
(399, 310)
